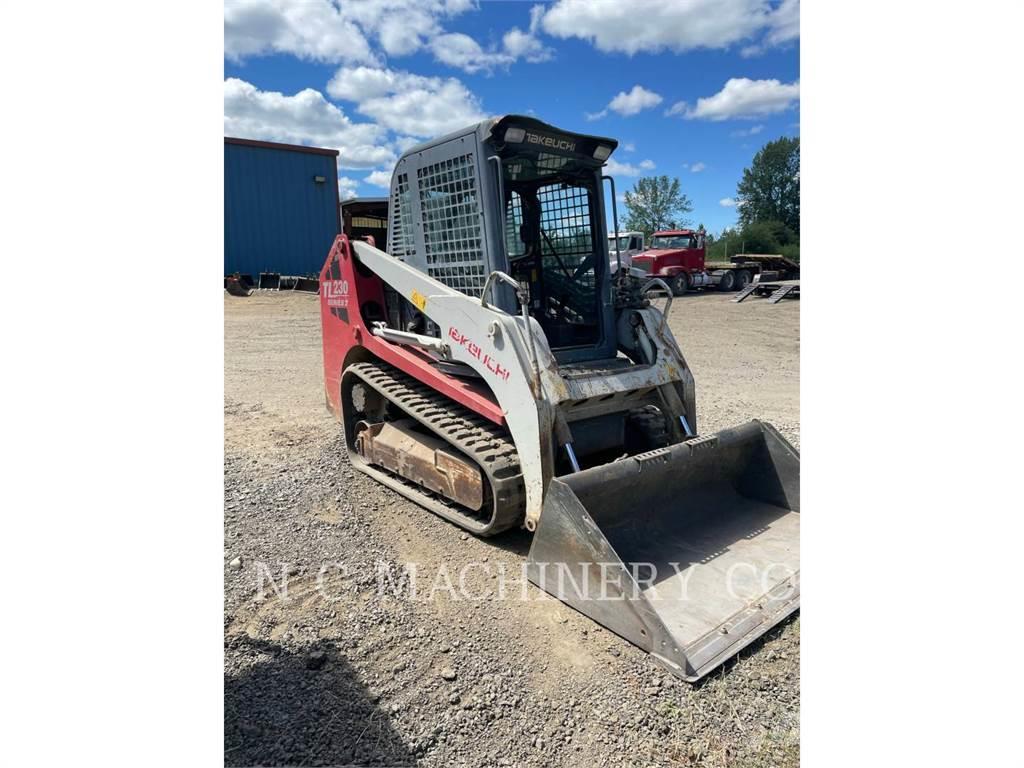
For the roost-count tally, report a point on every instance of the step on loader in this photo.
(495, 368)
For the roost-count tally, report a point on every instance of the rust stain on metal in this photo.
(421, 458)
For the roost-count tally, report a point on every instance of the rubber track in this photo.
(487, 444)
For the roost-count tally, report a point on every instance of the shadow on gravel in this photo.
(280, 711)
(517, 541)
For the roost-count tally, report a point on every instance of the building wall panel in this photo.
(277, 218)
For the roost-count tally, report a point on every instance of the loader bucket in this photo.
(690, 552)
(236, 287)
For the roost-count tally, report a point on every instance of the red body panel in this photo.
(666, 263)
(345, 294)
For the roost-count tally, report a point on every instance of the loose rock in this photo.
(316, 660)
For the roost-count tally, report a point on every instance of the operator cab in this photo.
(515, 195)
(553, 216)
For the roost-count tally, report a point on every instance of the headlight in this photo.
(601, 153)
(515, 135)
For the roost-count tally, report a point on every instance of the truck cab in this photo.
(676, 256)
(629, 244)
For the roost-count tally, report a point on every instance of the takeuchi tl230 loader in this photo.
(492, 369)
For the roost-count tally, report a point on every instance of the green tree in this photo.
(770, 187)
(654, 203)
(717, 245)
(759, 237)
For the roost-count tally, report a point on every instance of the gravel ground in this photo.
(322, 668)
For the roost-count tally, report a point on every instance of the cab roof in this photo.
(493, 128)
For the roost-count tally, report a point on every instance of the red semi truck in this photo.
(677, 257)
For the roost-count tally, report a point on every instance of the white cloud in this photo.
(615, 168)
(524, 45)
(785, 23)
(679, 108)
(741, 97)
(437, 108)
(379, 179)
(635, 101)
(727, 202)
(536, 17)
(409, 104)
(592, 116)
(404, 143)
(697, 167)
(363, 156)
(305, 118)
(358, 83)
(751, 131)
(650, 26)
(314, 29)
(463, 52)
(402, 35)
(628, 146)
(783, 26)
(341, 31)
(333, 31)
(347, 188)
(402, 27)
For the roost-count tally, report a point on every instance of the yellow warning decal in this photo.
(419, 300)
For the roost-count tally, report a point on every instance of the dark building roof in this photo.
(365, 206)
(276, 145)
(359, 200)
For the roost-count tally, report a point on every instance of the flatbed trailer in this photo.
(775, 290)
(770, 266)
(677, 257)
(764, 261)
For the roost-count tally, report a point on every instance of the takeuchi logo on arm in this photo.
(473, 348)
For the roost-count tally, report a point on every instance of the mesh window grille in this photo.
(565, 219)
(451, 224)
(403, 242)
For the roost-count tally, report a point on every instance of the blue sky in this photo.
(690, 88)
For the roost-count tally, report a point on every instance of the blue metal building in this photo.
(281, 209)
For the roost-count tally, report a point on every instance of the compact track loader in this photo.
(491, 369)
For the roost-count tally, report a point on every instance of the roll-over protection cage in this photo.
(447, 212)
